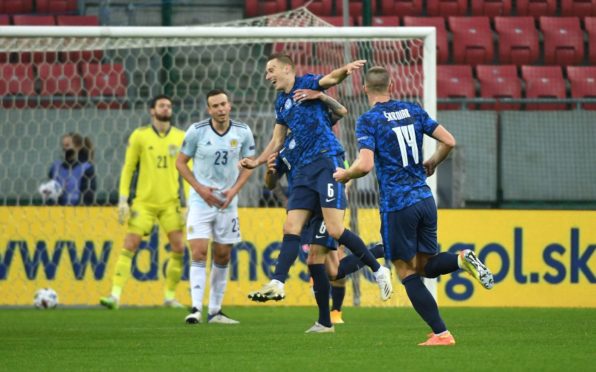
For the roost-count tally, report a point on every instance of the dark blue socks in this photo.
(290, 247)
(424, 303)
(321, 287)
(358, 248)
(337, 297)
(443, 263)
(352, 263)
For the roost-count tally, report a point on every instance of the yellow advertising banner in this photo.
(539, 258)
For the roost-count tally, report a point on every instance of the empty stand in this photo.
(518, 40)
(544, 82)
(107, 81)
(536, 8)
(583, 83)
(443, 8)
(35, 20)
(401, 7)
(563, 40)
(499, 81)
(491, 8)
(318, 7)
(56, 6)
(16, 83)
(590, 23)
(254, 8)
(380, 21)
(406, 78)
(16, 7)
(4, 21)
(60, 84)
(300, 53)
(337, 21)
(472, 40)
(355, 7)
(578, 8)
(455, 81)
(73, 20)
(439, 24)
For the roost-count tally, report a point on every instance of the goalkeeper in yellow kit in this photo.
(152, 151)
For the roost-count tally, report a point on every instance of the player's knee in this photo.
(291, 228)
(335, 230)
(132, 242)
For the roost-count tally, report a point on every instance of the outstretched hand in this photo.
(353, 66)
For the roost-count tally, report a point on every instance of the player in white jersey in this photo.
(215, 145)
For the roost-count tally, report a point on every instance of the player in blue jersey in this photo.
(320, 154)
(390, 137)
(215, 145)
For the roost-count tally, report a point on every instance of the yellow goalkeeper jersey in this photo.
(153, 155)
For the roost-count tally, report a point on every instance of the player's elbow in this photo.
(450, 142)
(342, 112)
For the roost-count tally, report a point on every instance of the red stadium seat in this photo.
(301, 53)
(544, 82)
(472, 40)
(59, 80)
(35, 20)
(56, 6)
(16, 7)
(355, 7)
(106, 81)
(455, 81)
(73, 20)
(439, 24)
(590, 23)
(381, 21)
(518, 40)
(499, 81)
(16, 80)
(4, 21)
(491, 8)
(578, 8)
(443, 8)
(254, 8)
(337, 21)
(583, 83)
(536, 8)
(563, 40)
(401, 7)
(318, 7)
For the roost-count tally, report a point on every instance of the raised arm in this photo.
(338, 110)
(337, 76)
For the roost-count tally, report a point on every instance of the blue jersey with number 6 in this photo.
(394, 131)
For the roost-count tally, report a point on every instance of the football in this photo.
(50, 190)
(45, 298)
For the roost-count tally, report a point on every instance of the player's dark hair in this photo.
(215, 92)
(377, 79)
(153, 102)
(283, 58)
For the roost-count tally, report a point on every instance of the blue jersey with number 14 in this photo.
(394, 131)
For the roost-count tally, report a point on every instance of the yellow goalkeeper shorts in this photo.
(143, 217)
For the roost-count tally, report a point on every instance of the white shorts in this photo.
(222, 226)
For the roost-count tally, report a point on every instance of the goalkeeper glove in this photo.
(123, 210)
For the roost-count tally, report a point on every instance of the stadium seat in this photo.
(4, 21)
(337, 21)
(578, 8)
(318, 7)
(16, 80)
(563, 40)
(35, 20)
(73, 20)
(401, 7)
(56, 6)
(16, 7)
(472, 40)
(439, 24)
(107, 81)
(536, 8)
(499, 81)
(59, 80)
(380, 21)
(444, 8)
(407, 81)
(300, 53)
(355, 7)
(455, 81)
(590, 23)
(254, 8)
(491, 8)
(518, 40)
(583, 83)
(544, 82)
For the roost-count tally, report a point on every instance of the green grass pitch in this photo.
(273, 339)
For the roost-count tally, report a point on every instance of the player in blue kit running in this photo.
(320, 154)
(390, 137)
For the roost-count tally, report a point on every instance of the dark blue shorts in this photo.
(315, 232)
(314, 186)
(411, 230)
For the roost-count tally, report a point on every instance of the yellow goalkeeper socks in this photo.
(173, 274)
(121, 272)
